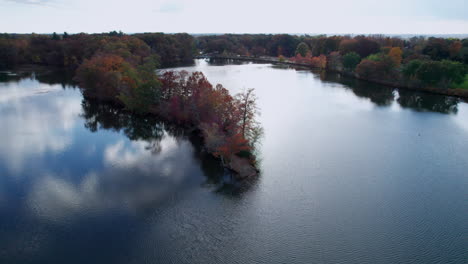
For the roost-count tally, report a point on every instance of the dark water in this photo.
(351, 173)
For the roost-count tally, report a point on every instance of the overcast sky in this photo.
(236, 16)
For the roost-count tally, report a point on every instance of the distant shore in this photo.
(457, 92)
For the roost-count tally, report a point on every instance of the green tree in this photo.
(410, 69)
(302, 49)
(430, 72)
(55, 36)
(140, 98)
(444, 73)
(351, 60)
(452, 72)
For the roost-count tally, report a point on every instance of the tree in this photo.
(8, 54)
(248, 110)
(347, 46)
(228, 125)
(452, 72)
(395, 54)
(454, 49)
(437, 49)
(335, 61)
(55, 36)
(366, 46)
(105, 76)
(351, 60)
(361, 45)
(247, 102)
(140, 98)
(302, 49)
(444, 73)
(368, 69)
(283, 44)
(410, 69)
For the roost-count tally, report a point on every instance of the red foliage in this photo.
(316, 62)
(232, 145)
(191, 99)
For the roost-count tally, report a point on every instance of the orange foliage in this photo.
(396, 55)
(104, 75)
(316, 62)
(232, 145)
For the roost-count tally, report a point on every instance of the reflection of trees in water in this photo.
(64, 78)
(6, 77)
(109, 117)
(384, 96)
(148, 128)
(222, 62)
(428, 102)
(380, 95)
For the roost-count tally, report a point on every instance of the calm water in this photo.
(351, 173)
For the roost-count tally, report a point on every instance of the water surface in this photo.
(351, 173)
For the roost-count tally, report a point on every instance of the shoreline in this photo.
(242, 168)
(456, 92)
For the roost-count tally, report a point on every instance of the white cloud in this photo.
(171, 7)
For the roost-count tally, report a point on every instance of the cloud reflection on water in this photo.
(132, 179)
(38, 118)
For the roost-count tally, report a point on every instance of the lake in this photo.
(351, 172)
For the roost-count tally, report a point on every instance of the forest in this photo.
(70, 50)
(440, 63)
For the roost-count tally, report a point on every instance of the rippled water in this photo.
(351, 173)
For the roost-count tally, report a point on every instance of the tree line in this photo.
(70, 50)
(417, 61)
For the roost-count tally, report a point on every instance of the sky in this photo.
(236, 16)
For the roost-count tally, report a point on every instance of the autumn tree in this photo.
(454, 49)
(361, 45)
(248, 110)
(347, 46)
(335, 61)
(395, 54)
(377, 66)
(105, 76)
(227, 123)
(437, 49)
